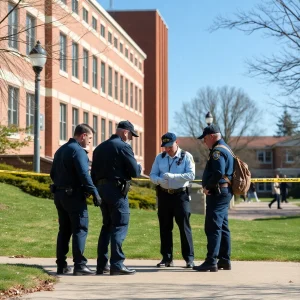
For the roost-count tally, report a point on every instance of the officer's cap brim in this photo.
(201, 136)
(170, 144)
(134, 133)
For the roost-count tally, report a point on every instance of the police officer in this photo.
(72, 183)
(218, 195)
(171, 172)
(112, 169)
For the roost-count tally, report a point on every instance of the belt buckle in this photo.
(170, 191)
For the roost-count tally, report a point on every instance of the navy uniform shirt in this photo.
(220, 163)
(70, 168)
(114, 159)
(182, 172)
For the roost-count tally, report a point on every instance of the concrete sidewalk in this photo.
(246, 280)
(259, 210)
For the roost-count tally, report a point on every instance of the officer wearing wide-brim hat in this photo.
(171, 172)
(218, 195)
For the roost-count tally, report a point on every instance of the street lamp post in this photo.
(38, 57)
(209, 118)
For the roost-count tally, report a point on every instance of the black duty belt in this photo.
(173, 191)
(102, 181)
(105, 181)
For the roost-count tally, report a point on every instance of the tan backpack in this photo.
(241, 177)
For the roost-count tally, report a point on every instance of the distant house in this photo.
(265, 155)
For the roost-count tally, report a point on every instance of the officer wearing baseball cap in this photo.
(218, 195)
(113, 167)
(171, 172)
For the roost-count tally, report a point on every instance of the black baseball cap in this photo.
(211, 129)
(128, 126)
(168, 139)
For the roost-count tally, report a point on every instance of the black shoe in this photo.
(269, 205)
(63, 270)
(83, 270)
(205, 267)
(123, 271)
(190, 265)
(224, 266)
(279, 207)
(164, 264)
(101, 271)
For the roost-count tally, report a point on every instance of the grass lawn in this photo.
(29, 227)
(23, 279)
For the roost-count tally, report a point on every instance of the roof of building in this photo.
(249, 141)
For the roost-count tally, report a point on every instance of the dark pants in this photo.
(216, 227)
(283, 197)
(115, 213)
(178, 206)
(73, 220)
(276, 198)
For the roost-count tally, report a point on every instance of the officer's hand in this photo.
(169, 176)
(206, 192)
(97, 200)
(162, 181)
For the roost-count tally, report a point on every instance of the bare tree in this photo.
(279, 19)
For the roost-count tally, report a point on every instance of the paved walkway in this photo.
(246, 280)
(259, 210)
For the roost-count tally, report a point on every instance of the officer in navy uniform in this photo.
(171, 172)
(218, 195)
(113, 167)
(72, 183)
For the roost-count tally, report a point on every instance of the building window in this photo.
(141, 144)
(30, 113)
(75, 6)
(103, 130)
(121, 88)
(13, 106)
(102, 30)
(116, 85)
(126, 52)
(110, 128)
(95, 72)
(126, 91)
(264, 187)
(85, 15)
(140, 66)
(85, 117)
(13, 24)
(30, 33)
(136, 98)
(131, 95)
(94, 23)
(74, 118)
(63, 122)
(136, 146)
(75, 60)
(103, 77)
(135, 61)
(116, 42)
(64, 1)
(140, 101)
(289, 157)
(85, 66)
(63, 52)
(131, 57)
(110, 37)
(110, 81)
(95, 127)
(264, 156)
(121, 47)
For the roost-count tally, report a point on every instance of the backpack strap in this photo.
(163, 154)
(182, 155)
(232, 154)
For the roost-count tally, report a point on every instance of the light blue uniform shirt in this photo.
(169, 175)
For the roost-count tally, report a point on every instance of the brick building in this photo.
(95, 73)
(150, 31)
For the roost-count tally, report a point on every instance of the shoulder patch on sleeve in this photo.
(216, 155)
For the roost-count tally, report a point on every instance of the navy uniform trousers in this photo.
(216, 227)
(115, 213)
(178, 206)
(73, 220)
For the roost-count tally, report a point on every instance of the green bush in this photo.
(134, 204)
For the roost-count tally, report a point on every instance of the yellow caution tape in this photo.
(146, 179)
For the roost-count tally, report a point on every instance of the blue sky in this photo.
(198, 58)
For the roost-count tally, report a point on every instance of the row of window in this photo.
(13, 29)
(137, 143)
(118, 87)
(266, 156)
(117, 44)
